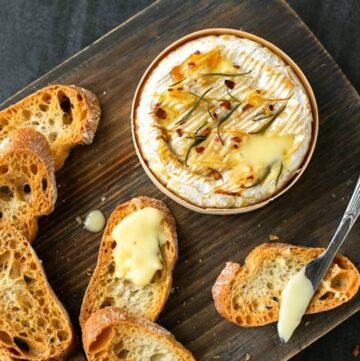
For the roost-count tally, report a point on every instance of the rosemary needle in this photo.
(209, 111)
(279, 174)
(177, 83)
(262, 178)
(197, 140)
(232, 96)
(224, 118)
(193, 108)
(267, 125)
(201, 126)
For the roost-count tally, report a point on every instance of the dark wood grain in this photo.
(308, 214)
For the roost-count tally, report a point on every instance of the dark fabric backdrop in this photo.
(36, 35)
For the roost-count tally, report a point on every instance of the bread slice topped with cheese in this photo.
(65, 115)
(137, 254)
(27, 180)
(33, 323)
(250, 295)
(111, 334)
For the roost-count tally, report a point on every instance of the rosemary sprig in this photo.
(201, 126)
(197, 140)
(223, 119)
(232, 96)
(207, 100)
(193, 108)
(260, 116)
(267, 125)
(227, 74)
(208, 110)
(279, 174)
(262, 178)
(177, 83)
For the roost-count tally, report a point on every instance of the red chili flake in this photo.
(356, 350)
(191, 64)
(258, 91)
(235, 146)
(200, 149)
(215, 174)
(236, 66)
(215, 115)
(157, 105)
(246, 107)
(251, 176)
(226, 104)
(229, 83)
(170, 89)
(179, 132)
(271, 107)
(180, 88)
(236, 139)
(197, 52)
(160, 113)
(217, 139)
(206, 131)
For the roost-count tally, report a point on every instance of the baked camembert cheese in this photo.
(223, 122)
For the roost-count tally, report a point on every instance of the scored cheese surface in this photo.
(223, 122)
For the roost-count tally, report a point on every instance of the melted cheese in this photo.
(139, 237)
(261, 150)
(295, 299)
(216, 172)
(94, 221)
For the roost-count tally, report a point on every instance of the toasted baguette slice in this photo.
(65, 115)
(250, 295)
(27, 180)
(106, 290)
(5, 357)
(33, 323)
(111, 334)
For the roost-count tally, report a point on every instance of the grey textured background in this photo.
(36, 35)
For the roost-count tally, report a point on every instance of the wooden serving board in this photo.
(306, 215)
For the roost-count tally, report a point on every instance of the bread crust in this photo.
(116, 318)
(90, 302)
(91, 122)
(17, 237)
(85, 109)
(233, 276)
(33, 144)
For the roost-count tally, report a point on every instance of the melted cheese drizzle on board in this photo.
(223, 122)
